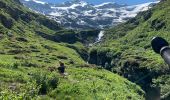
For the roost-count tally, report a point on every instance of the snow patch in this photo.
(82, 14)
(100, 5)
(37, 1)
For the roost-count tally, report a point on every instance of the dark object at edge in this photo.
(161, 47)
(158, 43)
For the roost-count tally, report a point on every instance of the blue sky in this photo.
(129, 2)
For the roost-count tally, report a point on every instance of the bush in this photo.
(45, 82)
(6, 21)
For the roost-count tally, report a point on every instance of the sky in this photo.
(128, 2)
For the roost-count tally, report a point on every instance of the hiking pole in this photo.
(161, 46)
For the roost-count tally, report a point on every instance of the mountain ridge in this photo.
(83, 15)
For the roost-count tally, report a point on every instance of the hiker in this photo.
(61, 69)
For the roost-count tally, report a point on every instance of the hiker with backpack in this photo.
(61, 68)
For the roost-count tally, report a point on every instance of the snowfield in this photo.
(83, 15)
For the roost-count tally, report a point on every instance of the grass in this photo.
(28, 49)
(85, 83)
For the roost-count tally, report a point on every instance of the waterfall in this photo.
(101, 34)
(98, 39)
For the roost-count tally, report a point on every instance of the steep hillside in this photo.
(31, 46)
(127, 49)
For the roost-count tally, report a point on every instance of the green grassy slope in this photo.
(128, 49)
(30, 44)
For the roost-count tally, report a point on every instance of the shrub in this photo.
(45, 82)
(21, 39)
(6, 21)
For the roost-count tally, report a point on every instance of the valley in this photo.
(112, 62)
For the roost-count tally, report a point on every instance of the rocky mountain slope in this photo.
(79, 14)
(31, 47)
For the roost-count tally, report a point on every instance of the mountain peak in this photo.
(36, 1)
(79, 14)
(74, 1)
(109, 5)
(69, 3)
(77, 1)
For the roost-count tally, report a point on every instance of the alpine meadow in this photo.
(80, 51)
